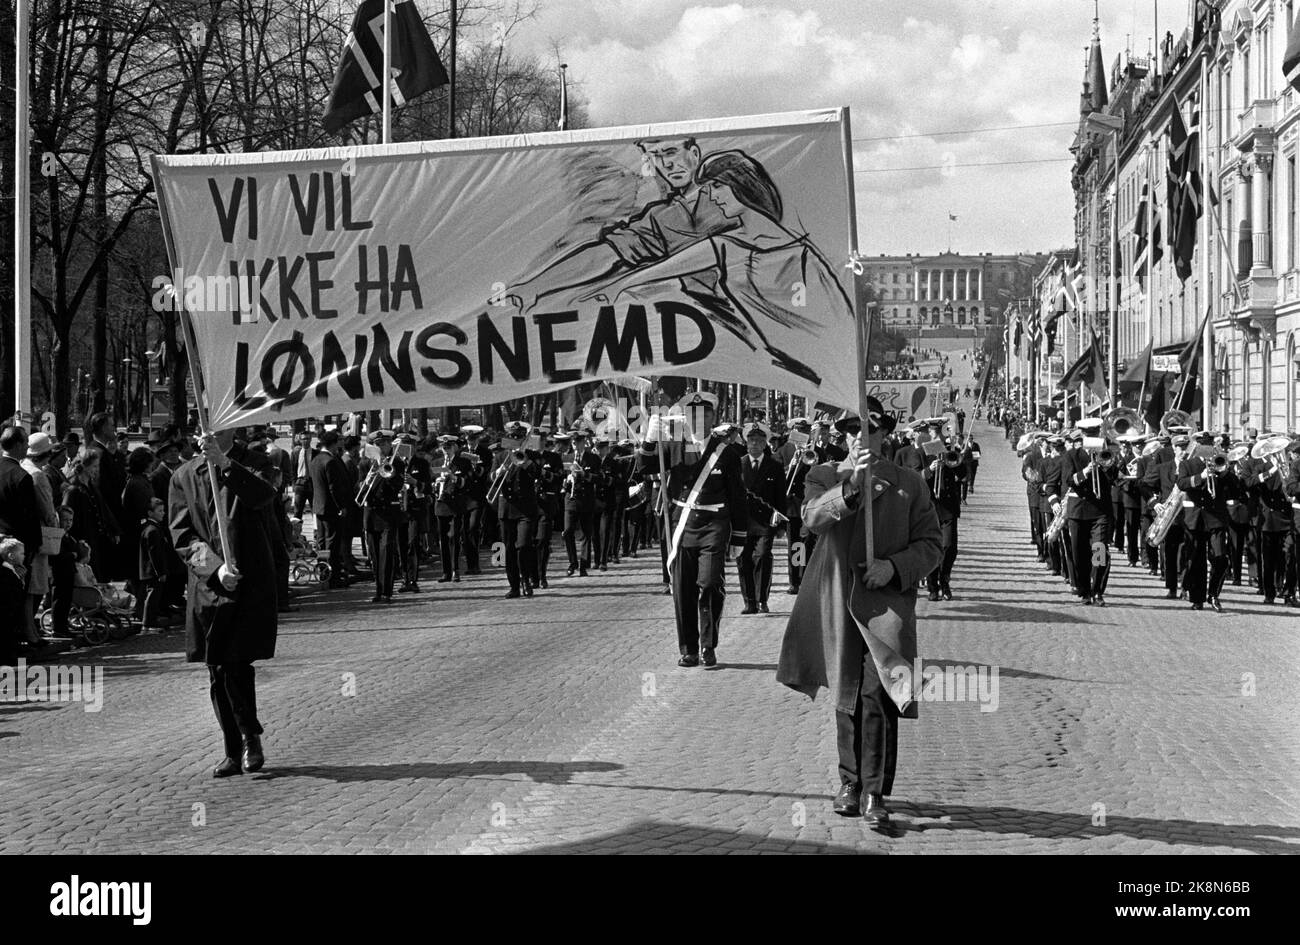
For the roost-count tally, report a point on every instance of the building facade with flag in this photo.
(1179, 218)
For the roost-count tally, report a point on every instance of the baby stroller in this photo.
(100, 612)
(305, 564)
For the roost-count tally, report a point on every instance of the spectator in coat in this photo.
(13, 598)
(19, 514)
(101, 438)
(332, 503)
(137, 496)
(230, 619)
(158, 562)
(39, 450)
(92, 521)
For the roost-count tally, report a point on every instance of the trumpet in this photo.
(498, 482)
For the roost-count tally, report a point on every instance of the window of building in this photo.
(1290, 209)
(1245, 77)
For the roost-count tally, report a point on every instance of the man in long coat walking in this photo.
(853, 628)
(231, 606)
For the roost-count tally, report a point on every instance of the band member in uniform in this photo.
(1131, 496)
(1243, 512)
(606, 500)
(635, 514)
(416, 490)
(846, 608)
(1206, 521)
(448, 481)
(578, 490)
(517, 512)
(1031, 471)
(381, 504)
(801, 540)
(709, 513)
(1089, 518)
(1267, 483)
(971, 457)
(1161, 477)
(945, 476)
(474, 494)
(909, 455)
(550, 474)
(765, 490)
(1052, 493)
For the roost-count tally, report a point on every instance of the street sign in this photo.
(1166, 364)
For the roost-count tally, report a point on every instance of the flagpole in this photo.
(22, 221)
(388, 72)
(1207, 340)
(1150, 287)
(863, 320)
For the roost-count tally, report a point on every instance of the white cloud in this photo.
(905, 67)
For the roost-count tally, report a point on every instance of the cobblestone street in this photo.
(486, 725)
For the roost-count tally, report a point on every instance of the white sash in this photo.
(693, 498)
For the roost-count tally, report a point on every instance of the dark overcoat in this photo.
(223, 626)
(824, 642)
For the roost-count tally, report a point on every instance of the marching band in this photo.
(1191, 507)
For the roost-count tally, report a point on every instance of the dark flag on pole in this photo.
(357, 83)
(1184, 185)
(1291, 58)
(982, 385)
(1187, 397)
(1088, 369)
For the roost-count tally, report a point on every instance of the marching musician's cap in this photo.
(379, 435)
(1176, 430)
(517, 429)
(1131, 439)
(410, 438)
(624, 443)
(798, 422)
(604, 440)
(471, 429)
(1164, 438)
(757, 429)
(1075, 435)
(1056, 440)
(1088, 424)
(1182, 439)
(1205, 437)
(561, 437)
(449, 438)
(1040, 434)
(699, 398)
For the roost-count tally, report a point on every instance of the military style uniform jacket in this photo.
(518, 497)
(1206, 512)
(947, 500)
(765, 491)
(723, 489)
(1090, 504)
(460, 470)
(383, 509)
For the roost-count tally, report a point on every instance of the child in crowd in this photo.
(158, 560)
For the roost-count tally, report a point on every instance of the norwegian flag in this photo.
(357, 84)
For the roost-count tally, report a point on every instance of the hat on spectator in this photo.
(39, 444)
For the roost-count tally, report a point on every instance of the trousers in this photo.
(698, 592)
(1090, 553)
(578, 520)
(754, 568)
(939, 578)
(867, 739)
(517, 535)
(1207, 564)
(234, 699)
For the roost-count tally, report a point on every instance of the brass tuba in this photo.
(1120, 421)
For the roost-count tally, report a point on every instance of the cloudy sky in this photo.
(907, 68)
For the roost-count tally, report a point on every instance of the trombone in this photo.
(806, 456)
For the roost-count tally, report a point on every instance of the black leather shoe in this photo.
(513, 592)
(690, 659)
(762, 607)
(571, 572)
(1085, 601)
(1198, 607)
(582, 572)
(848, 802)
(228, 767)
(875, 813)
(604, 567)
(934, 595)
(1270, 600)
(792, 589)
(749, 608)
(1171, 595)
(544, 585)
(455, 578)
(528, 590)
(253, 757)
(405, 588)
(377, 599)
(1099, 601)
(1214, 602)
(445, 579)
(946, 593)
(708, 657)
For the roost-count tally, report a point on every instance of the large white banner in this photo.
(469, 272)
